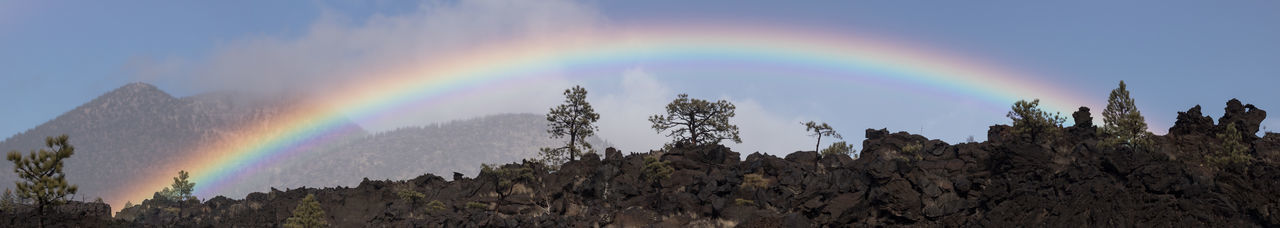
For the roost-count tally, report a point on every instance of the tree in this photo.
(698, 122)
(820, 130)
(181, 188)
(838, 148)
(41, 173)
(8, 202)
(1233, 151)
(308, 214)
(1124, 122)
(575, 119)
(1028, 119)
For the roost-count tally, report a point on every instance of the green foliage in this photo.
(308, 214)
(913, 148)
(181, 188)
(838, 148)
(754, 180)
(1233, 149)
(477, 205)
(697, 121)
(435, 205)
(820, 130)
(8, 202)
(1124, 123)
(41, 173)
(656, 169)
(507, 176)
(743, 202)
(1029, 120)
(410, 195)
(575, 119)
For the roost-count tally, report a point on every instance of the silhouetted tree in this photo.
(1028, 119)
(575, 119)
(697, 121)
(41, 173)
(838, 148)
(1124, 123)
(820, 130)
(181, 188)
(308, 214)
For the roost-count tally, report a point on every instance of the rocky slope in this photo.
(134, 131)
(901, 179)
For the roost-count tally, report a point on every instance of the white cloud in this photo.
(334, 51)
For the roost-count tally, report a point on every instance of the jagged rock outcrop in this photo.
(900, 179)
(1193, 122)
(1247, 118)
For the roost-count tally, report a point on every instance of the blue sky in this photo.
(55, 56)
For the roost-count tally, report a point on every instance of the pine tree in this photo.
(181, 188)
(820, 130)
(308, 214)
(575, 119)
(697, 122)
(1124, 122)
(1233, 151)
(1028, 119)
(41, 173)
(8, 202)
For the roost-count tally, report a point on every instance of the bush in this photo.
(307, 214)
(838, 148)
(913, 148)
(1233, 150)
(435, 205)
(656, 170)
(477, 205)
(410, 195)
(1029, 120)
(754, 180)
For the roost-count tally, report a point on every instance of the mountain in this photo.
(1067, 179)
(131, 131)
(137, 130)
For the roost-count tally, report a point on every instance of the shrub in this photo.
(912, 148)
(8, 202)
(655, 169)
(1233, 150)
(838, 148)
(410, 195)
(754, 180)
(1029, 120)
(307, 214)
(477, 205)
(435, 205)
(743, 202)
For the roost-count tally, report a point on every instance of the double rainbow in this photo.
(216, 166)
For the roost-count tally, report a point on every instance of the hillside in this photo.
(133, 131)
(901, 179)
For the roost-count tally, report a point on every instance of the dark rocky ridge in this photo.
(901, 179)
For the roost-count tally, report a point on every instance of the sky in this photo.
(1173, 55)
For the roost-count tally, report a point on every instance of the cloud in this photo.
(337, 50)
(624, 119)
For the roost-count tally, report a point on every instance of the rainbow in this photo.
(216, 166)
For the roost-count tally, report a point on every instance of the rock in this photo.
(1248, 119)
(1082, 118)
(1192, 121)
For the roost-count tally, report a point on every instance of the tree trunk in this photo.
(815, 146)
(573, 134)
